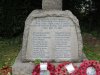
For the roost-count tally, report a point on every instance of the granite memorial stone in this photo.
(49, 34)
(52, 35)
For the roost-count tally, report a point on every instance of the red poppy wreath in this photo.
(66, 68)
(50, 68)
(88, 67)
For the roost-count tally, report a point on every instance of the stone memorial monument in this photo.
(49, 35)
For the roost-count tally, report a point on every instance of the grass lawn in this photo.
(91, 47)
(9, 49)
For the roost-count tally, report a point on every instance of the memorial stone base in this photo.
(22, 68)
(26, 68)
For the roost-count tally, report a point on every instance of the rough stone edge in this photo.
(57, 13)
(79, 37)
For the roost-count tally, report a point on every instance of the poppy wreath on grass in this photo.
(50, 68)
(86, 64)
(5, 70)
(62, 70)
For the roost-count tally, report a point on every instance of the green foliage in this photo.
(91, 53)
(37, 61)
(96, 34)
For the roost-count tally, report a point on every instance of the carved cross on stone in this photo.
(52, 4)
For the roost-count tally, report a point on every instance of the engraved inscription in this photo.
(51, 38)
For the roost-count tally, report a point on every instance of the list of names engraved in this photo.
(50, 38)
